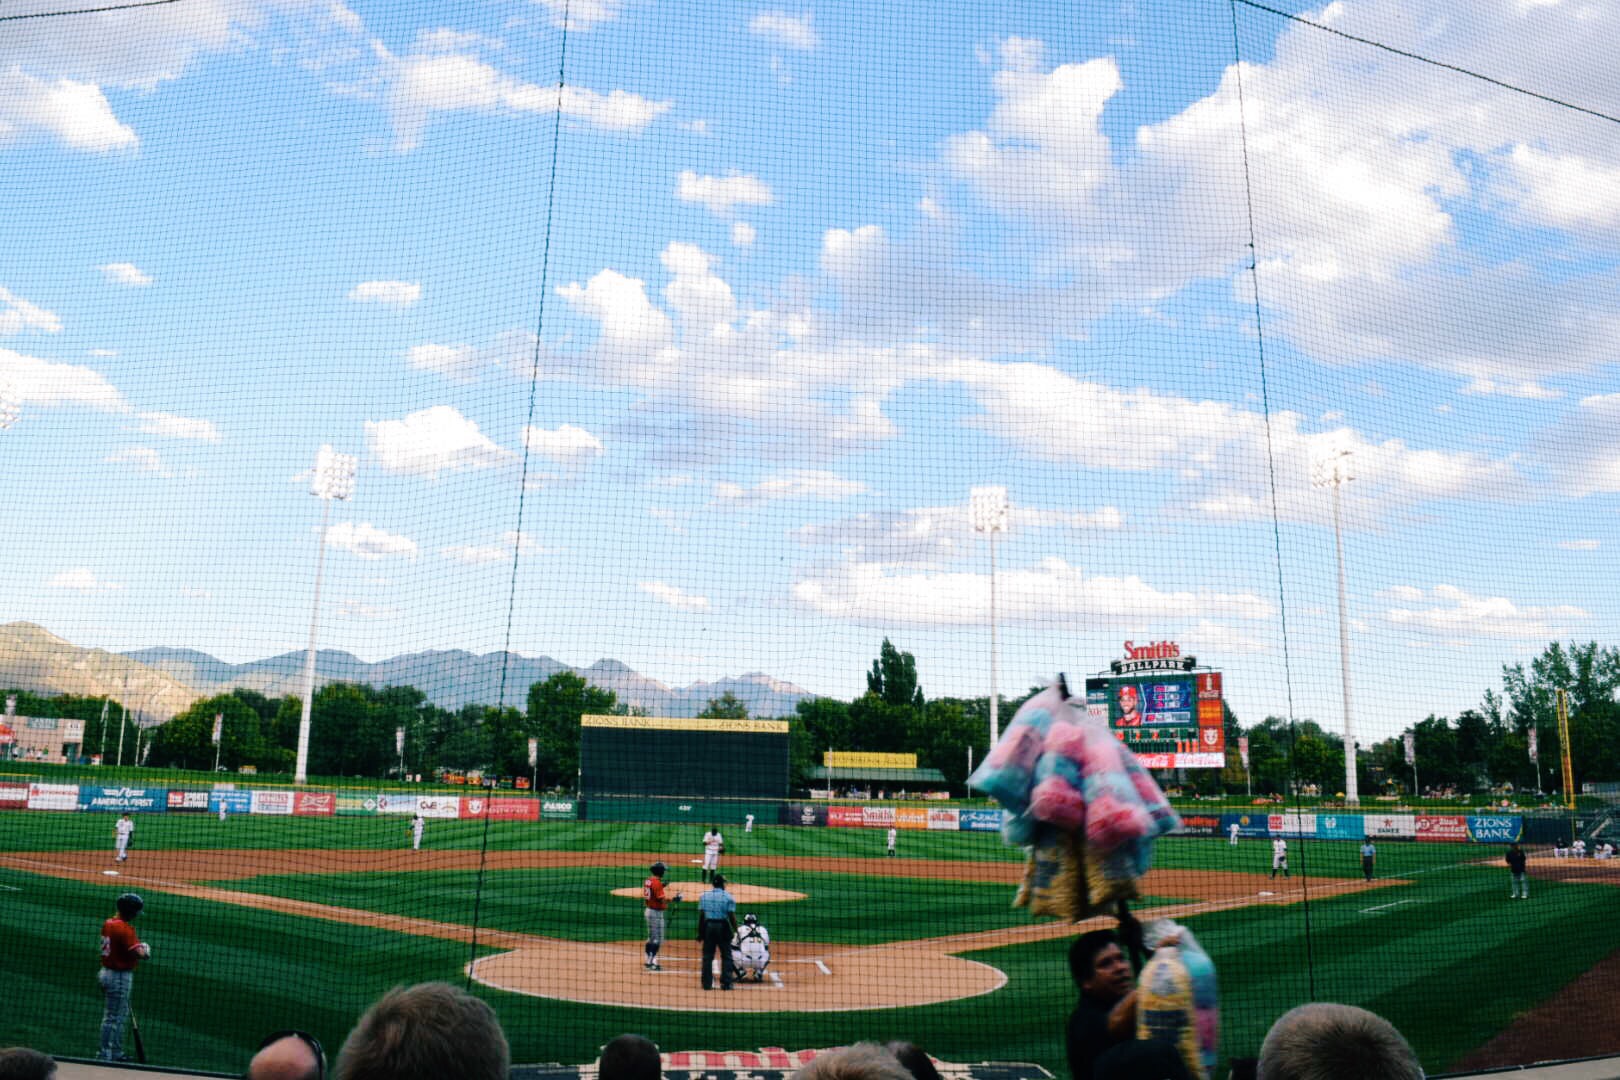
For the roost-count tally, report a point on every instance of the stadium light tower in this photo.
(10, 406)
(990, 511)
(1333, 470)
(334, 479)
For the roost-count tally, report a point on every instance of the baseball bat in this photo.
(140, 1044)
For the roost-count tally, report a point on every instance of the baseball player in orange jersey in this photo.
(121, 950)
(652, 896)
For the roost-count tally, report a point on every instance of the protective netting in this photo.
(841, 365)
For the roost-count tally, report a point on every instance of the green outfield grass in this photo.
(1446, 956)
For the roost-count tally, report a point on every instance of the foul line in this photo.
(1381, 907)
(10, 888)
(824, 969)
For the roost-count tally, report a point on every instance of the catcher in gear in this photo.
(751, 949)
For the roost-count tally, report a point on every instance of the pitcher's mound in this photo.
(743, 894)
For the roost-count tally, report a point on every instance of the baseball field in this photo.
(262, 923)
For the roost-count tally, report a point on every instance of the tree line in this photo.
(353, 731)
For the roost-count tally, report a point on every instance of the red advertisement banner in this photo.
(1451, 828)
(845, 817)
(476, 806)
(315, 803)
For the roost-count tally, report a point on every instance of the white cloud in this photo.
(1528, 389)
(801, 484)
(359, 610)
(40, 382)
(1579, 545)
(1567, 190)
(369, 542)
(192, 592)
(1455, 615)
(391, 293)
(459, 362)
(76, 113)
(475, 554)
(103, 352)
(17, 315)
(169, 426)
(1582, 449)
(722, 194)
(430, 441)
(743, 234)
(82, 579)
(125, 274)
(873, 592)
(793, 31)
(931, 536)
(674, 597)
(423, 86)
(566, 443)
(143, 458)
(582, 14)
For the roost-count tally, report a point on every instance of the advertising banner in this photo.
(1292, 826)
(1498, 829)
(438, 806)
(475, 806)
(315, 804)
(394, 803)
(354, 805)
(1198, 825)
(878, 817)
(807, 814)
(945, 819)
(188, 800)
(980, 820)
(866, 759)
(1395, 826)
(1248, 824)
(53, 796)
(15, 796)
(1442, 829)
(271, 802)
(559, 809)
(124, 800)
(1339, 827)
(234, 802)
(910, 817)
(845, 817)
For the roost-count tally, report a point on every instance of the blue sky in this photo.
(801, 278)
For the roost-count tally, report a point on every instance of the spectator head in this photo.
(21, 1063)
(288, 1055)
(630, 1057)
(426, 1032)
(1335, 1042)
(1098, 966)
(863, 1061)
(917, 1063)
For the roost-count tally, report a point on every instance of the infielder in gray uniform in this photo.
(652, 895)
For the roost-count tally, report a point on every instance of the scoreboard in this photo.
(1170, 719)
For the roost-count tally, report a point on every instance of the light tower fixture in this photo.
(333, 479)
(1333, 471)
(991, 512)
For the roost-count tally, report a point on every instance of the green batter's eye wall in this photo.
(712, 758)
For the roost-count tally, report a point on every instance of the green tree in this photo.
(187, 740)
(555, 707)
(893, 678)
(727, 706)
(1590, 676)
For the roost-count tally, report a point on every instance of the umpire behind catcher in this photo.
(717, 922)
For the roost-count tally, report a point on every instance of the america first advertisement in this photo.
(124, 800)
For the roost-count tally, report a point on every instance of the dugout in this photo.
(630, 763)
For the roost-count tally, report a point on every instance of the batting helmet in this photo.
(719, 881)
(750, 919)
(130, 905)
(658, 869)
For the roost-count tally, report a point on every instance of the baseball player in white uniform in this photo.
(713, 845)
(894, 834)
(122, 832)
(1279, 857)
(748, 823)
(1232, 831)
(416, 833)
(751, 949)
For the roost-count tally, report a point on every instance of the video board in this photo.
(1169, 719)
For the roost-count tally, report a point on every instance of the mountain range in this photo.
(33, 659)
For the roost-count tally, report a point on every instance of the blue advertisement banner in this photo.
(122, 800)
(980, 820)
(1248, 824)
(1339, 827)
(1495, 829)
(234, 802)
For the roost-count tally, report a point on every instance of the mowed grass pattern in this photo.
(1447, 956)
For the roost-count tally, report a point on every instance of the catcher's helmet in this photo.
(658, 869)
(750, 919)
(130, 905)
